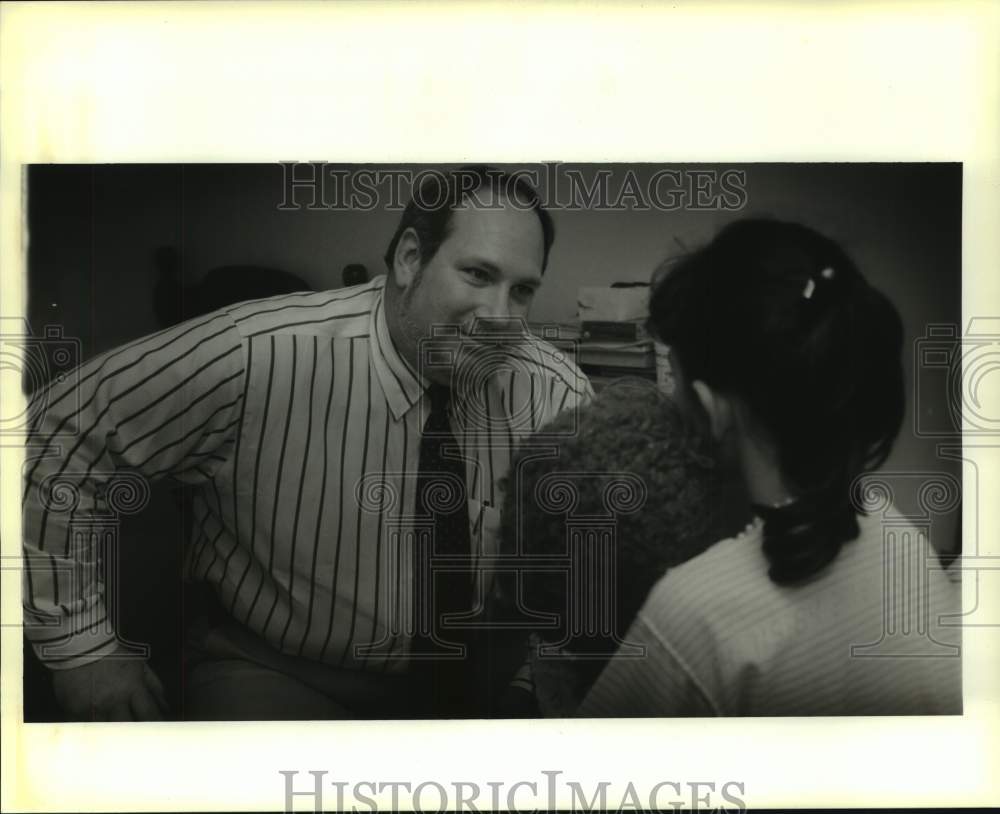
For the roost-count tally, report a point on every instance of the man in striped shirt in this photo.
(297, 423)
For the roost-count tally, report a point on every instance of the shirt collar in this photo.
(400, 383)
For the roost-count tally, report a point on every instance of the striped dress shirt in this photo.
(297, 426)
(876, 633)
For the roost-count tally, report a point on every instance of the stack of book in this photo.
(606, 350)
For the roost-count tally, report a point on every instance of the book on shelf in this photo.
(617, 353)
(600, 381)
(612, 331)
(617, 372)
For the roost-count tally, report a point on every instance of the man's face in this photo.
(481, 280)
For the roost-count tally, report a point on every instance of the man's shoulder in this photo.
(542, 358)
(343, 312)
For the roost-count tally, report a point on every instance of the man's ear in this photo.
(406, 261)
(718, 408)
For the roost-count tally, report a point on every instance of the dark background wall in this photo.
(93, 231)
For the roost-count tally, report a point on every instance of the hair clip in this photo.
(826, 274)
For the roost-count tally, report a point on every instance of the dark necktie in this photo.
(441, 495)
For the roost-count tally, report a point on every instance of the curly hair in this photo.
(631, 433)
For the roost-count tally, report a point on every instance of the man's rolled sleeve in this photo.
(165, 405)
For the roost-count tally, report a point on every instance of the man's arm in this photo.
(167, 404)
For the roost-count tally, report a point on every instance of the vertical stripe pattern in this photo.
(278, 413)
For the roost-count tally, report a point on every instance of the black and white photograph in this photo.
(453, 407)
(489, 441)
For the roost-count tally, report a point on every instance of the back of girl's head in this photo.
(779, 317)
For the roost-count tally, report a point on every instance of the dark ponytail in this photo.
(779, 316)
